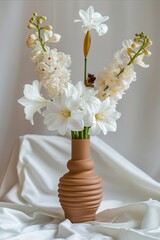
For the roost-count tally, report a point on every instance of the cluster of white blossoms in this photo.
(116, 78)
(51, 65)
(86, 108)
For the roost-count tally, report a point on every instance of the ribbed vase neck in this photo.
(80, 149)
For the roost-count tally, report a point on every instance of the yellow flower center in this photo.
(99, 116)
(66, 113)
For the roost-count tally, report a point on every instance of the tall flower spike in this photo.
(93, 20)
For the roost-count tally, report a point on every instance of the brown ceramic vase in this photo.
(80, 190)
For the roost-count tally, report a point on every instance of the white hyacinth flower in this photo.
(32, 100)
(63, 114)
(93, 20)
(104, 117)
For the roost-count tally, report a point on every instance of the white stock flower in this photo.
(127, 43)
(50, 57)
(93, 20)
(58, 82)
(44, 70)
(63, 60)
(104, 117)
(32, 100)
(63, 114)
(49, 36)
(139, 61)
(55, 38)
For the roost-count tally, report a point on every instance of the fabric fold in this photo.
(29, 205)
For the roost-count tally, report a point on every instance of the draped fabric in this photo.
(29, 205)
(138, 134)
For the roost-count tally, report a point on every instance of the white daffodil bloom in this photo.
(104, 117)
(32, 100)
(93, 20)
(86, 94)
(63, 114)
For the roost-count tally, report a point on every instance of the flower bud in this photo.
(134, 45)
(44, 18)
(40, 21)
(138, 40)
(32, 20)
(87, 44)
(149, 43)
(147, 53)
(31, 26)
(130, 50)
(31, 43)
(48, 27)
(35, 14)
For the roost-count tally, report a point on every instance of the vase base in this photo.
(79, 215)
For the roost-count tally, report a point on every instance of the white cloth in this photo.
(29, 204)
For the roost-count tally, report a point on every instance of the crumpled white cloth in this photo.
(29, 205)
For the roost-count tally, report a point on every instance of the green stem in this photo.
(39, 34)
(85, 72)
(86, 132)
(132, 59)
(40, 38)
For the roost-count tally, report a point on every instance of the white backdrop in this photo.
(138, 134)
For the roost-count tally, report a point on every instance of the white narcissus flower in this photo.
(63, 114)
(93, 20)
(32, 100)
(104, 117)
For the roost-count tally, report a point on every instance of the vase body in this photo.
(80, 190)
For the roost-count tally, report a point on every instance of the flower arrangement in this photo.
(88, 107)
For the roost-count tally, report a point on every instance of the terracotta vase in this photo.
(80, 190)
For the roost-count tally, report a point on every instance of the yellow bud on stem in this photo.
(87, 44)
(40, 21)
(147, 53)
(48, 27)
(31, 26)
(149, 43)
(35, 14)
(44, 18)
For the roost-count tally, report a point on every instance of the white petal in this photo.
(75, 125)
(90, 11)
(142, 64)
(94, 130)
(101, 29)
(77, 20)
(83, 14)
(63, 128)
